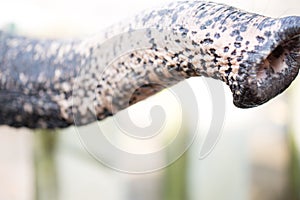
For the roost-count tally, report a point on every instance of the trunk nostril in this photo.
(274, 63)
(274, 71)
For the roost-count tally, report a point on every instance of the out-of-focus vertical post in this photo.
(44, 162)
(175, 177)
(294, 141)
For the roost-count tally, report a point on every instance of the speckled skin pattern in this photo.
(56, 83)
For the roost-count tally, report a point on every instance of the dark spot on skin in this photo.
(183, 31)
(174, 18)
(177, 41)
(154, 47)
(178, 68)
(237, 45)
(202, 52)
(257, 48)
(203, 62)
(239, 38)
(194, 43)
(233, 53)
(148, 33)
(243, 28)
(260, 39)
(190, 72)
(201, 7)
(211, 66)
(217, 36)
(228, 71)
(191, 57)
(187, 50)
(181, 8)
(235, 32)
(215, 74)
(208, 23)
(207, 41)
(229, 61)
(212, 50)
(226, 49)
(207, 35)
(240, 58)
(164, 62)
(216, 56)
(175, 55)
(202, 27)
(247, 42)
(190, 66)
(106, 112)
(219, 18)
(268, 33)
(266, 23)
(242, 14)
(151, 41)
(170, 67)
(215, 60)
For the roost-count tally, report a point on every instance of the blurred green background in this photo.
(256, 158)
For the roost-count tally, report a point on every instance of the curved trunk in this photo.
(54, 84)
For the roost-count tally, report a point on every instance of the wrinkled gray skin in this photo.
(55, 84)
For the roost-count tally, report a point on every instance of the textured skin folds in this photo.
(55, 84)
